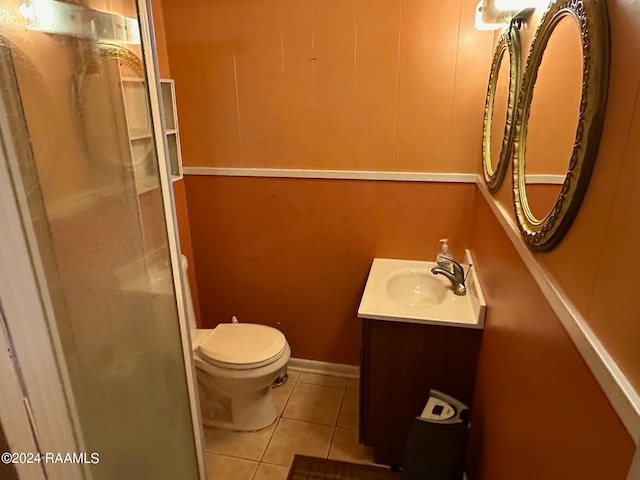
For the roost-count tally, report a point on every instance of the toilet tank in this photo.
(191, 315)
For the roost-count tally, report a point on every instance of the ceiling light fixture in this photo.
(494, 14)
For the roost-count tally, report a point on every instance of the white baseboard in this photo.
(324, 368)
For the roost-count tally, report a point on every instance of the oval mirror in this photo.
(553, 117)
(499, 110)
(96, 100)
(559, 118)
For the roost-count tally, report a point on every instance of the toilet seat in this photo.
(242, 346)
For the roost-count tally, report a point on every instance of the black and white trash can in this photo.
(437, 444)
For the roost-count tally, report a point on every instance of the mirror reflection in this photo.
(554, 116)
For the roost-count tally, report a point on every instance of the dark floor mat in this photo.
(311, 468)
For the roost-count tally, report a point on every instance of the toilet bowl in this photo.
(236, 364)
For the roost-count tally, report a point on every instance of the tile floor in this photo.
(318, 417)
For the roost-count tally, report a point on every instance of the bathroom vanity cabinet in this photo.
(400, 363)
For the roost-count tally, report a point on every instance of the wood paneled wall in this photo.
(360, 85)
(339, 84)
(595, 263)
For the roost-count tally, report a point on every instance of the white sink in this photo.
(407, 291)
(415, 287)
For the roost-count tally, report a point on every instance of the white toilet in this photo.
(236, 363)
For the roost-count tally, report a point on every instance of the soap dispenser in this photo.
(444, 257)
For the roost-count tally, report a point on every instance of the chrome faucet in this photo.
(454, 272)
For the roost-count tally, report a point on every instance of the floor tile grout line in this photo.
(322, 385)
(299, 379)
(275, 464)
(264, 452)
(343, 387)
(333, 434)
(255, 471)
(226, 455)
(280, 414)
(335, 425)
(261, 462)
(344, 397)
(286, 402)
(311, 422)
(357, 401)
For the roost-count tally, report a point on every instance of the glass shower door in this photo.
(80, 141)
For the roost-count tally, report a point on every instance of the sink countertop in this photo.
(465, 311)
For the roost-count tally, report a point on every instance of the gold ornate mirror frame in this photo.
(592, 20)
(114, 51)
(508, 43)
(107, 51)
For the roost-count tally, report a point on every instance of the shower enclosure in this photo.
(95, 347)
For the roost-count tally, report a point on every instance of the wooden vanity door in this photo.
(400, 363)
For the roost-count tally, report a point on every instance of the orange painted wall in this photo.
(161, 39)
(182, 214)
(607, 225)
(538, 411)
(595, 262)
(296, 253)
(182, 211)
(555, 106)
(364, 85)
